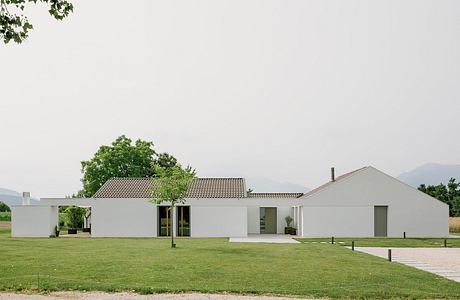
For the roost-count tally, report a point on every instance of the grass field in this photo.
(209, 265)
(386, 242)
(454, 225)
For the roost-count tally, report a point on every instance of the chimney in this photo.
(26, 198)
(332, 174)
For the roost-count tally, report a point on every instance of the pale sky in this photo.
(282, 89)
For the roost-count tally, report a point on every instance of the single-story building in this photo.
(362, 203)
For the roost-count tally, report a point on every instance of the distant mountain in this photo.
(10, 197)
(431, 174)
(266, 185)
(9, 192)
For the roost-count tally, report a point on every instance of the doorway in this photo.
(380, 220)
(183, 221)
(164, 221)
(268, 224)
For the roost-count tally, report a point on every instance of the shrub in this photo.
(288, 220)
(4, 207)
(74, 217)
(5, 216)
(62, 218)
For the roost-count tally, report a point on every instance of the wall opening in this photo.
(268, 218)
(380, 220)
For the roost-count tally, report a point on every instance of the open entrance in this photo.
(380, 220)
(73, 221)
(268, 220)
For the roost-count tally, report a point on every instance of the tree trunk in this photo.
(172, 226)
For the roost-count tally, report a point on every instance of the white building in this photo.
(362, 203)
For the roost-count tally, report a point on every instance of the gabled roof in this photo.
(337, 179)
(199, 188)
(274, 195)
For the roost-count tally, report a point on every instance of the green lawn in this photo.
(209, 265)
(386, 242)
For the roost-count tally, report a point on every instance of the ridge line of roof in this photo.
(337, 179)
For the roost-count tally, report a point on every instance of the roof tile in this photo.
(199, 188)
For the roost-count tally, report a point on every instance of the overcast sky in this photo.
(281, 89)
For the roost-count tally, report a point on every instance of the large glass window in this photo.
(164, 221)
(183, 221)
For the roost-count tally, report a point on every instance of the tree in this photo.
(171, 186)
(4, 207)
(449, 194)
(74, 217)
(122, 159)
(14, 25)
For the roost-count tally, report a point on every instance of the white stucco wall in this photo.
(218, 221)
(33, 220)
(347, 207)
(281, 213)
(253, 219)
(123, 218)
(354, 221)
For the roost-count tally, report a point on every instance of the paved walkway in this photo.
(444, 262)
(265, 238)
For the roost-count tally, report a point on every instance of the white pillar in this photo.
(173, 221)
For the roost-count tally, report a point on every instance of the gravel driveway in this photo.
(441, 261)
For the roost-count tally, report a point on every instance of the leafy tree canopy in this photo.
(122, 159)
(4, 207)
(74, 217)
(449, 194)
(14, 24)
(171, 184)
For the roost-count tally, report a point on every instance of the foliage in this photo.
(171, 186)
(122, 159)
(5, 216)
(14, 25)
(288, 220)
(210, 266)
(62, 218)
(449, 194)
(4, 207)
(74, 217)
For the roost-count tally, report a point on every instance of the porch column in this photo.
(173, 221)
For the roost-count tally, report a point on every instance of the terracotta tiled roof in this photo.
(199, 188)
(339, 178)
(274, 195)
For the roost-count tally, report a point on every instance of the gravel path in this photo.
(441, 261)
(123, 296)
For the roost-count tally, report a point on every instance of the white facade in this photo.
(33, 221)
(344, 208)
